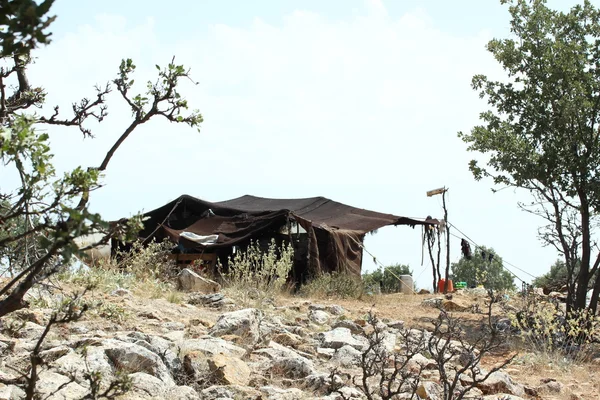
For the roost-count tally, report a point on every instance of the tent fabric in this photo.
(335, 231)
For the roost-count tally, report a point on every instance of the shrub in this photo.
(334, 284)
(254, 276)
(546, 328)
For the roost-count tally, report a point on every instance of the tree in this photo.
(484, 268)
(48, 210)
(387, 278)
(541, 133)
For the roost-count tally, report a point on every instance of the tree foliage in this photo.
(480, 270)
(387, 278)
(541, 131)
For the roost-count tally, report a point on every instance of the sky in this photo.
(359, 101)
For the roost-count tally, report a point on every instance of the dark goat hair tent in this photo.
(326, 235)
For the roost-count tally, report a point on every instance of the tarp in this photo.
(335, 231)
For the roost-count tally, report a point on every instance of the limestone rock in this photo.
(319, 317)
(273, 393)
(550, 385)
(148, 384)
(214, 300)
(346, 323)
(210, 346)
(182, 393)
(347, 357)
(332, 309)
(501, 382)
(11, 392)
(293, 367)
(430, 391)
(244, 323)
(288, 339)
(340, 337)
(230, 392)
(49, 382)
(35, 316)
(434, 302)
(134, 358)
(230, 370)
(419, 362)
(192, 282)
(502, 396)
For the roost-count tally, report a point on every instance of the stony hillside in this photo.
(205, 346)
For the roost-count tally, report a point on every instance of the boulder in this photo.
(210, 346)
(230, 392)
(134, 358)
(244, 323)
(501, 382)
(396, 324)
(293, 367)
(229, 370)
(430, 391)
(145, 383)
(332, 309)
(190, 281)
(319, 317)
(288, 339)
(346, 323)
(11, 392)
(214, 300)
(419, 363)
(550, 385)
(340, 337)
(274, 393)
(182, 393)
(53, 386)
(434, 302)
(347, 357)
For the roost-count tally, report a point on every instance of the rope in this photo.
(376, 260)
(479, 247)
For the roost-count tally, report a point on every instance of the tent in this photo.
(326, 235)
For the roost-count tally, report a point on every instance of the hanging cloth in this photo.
(465, 248)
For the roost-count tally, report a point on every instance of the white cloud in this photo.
(364, 110)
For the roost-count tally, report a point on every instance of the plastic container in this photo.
(442, 283)
(460, 285)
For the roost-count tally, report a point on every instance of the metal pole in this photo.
(447, 240)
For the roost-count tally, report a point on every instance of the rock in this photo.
(35, 316)
(134, 358)
(340, 337)
(273, 393)
(293, 367)
(211, 346)
(424, 291)
(332, 309)
(149, 315)
(182, 393)
(166, 349)
(229, 370)
(192, 282)
(550, 385)
(502, 396)
(215, 300)
(347, 357)
(230, 392)
(53, 354)
(325, 352)
(346, 323)
(120, 292)
(244, 323)
(435, 302)
(30, 330)
(430, 391)
(501, 382)
(11, 392)
(288, 339)
(396, 325)
(420, 363)
(149, 384)
(455, 305)
(173, 326)
(318, 317)
(50, 382)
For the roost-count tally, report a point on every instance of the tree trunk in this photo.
(580, 302)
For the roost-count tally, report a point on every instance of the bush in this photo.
(254, 276)
(334, 284)
(545, 328)
(386, 279)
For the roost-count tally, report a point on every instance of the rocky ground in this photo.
(204, 346)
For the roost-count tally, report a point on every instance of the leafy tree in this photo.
(51, 210)
(541, 132)
(387, 278)
(480, 270)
